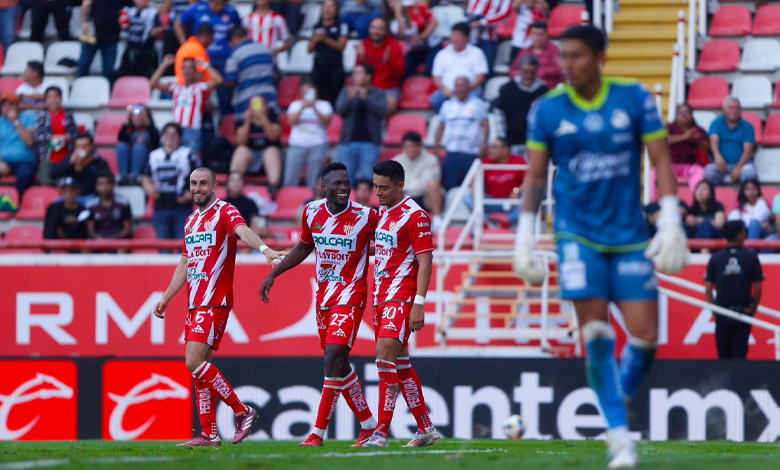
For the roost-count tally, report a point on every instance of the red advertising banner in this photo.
(38, 401)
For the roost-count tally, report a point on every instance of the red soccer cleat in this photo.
(202, 440)
(312, 441)
(244, 424)
(365, 435)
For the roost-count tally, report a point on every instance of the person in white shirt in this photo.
(753, 210)
(309, 119)
(466, 120)
(425, 187)
(459, 59)
(31, 92)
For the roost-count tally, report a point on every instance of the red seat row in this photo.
(735, 20)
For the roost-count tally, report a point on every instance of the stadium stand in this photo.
(399, 124)
(128, 91)
(35, 201)
(107, 130)
(719, 55)
(772, 131)
(19, 54)
(731, 20)
(563, 17)
(708, 92)
(89, 93)
(767, 21)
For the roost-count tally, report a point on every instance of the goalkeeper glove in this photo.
(669, 247)
(524, 265)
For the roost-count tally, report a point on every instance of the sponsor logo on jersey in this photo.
(198, 329)
(329, 275)
(382, 252)
(340, 333)
(593, 122)
(335, 241)
(424, 234)
(588, 166)
(333, 256)
(390, 327)
(423, 224)
(198, 252)
(201, 239)
(620, 119)
(317, 226)
(194, 275)
(386, 238)
(381, 274)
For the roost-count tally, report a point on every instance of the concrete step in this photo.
(646, 16)
(639, 71)
(655, 4)
(644, 33)
(621, 51)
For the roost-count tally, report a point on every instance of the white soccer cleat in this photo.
(376, 440)
(425, 439)
(621, 449)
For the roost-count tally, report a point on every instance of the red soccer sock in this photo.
(412, 390)
(388, 393)
(352, 391)
(209, 373)
(331, 389)
(207, 407)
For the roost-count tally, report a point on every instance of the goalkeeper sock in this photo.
(352, 391)
(209, 373)
(636, 360)
(602, 371)
(331, 389)
(207, 408)
(388, 393)
(412, 390)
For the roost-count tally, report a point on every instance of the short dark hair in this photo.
(503, 140)
(108, 175)
(368, 68)
(36, 66)
(174, 126)
(333, 166)
(462, 27)
(592, 37)
(732, 229)
(412, 136)
(529, 59)
(83, 135)
(306, 80)
(539, 25)
(210, 172)
(369, 183)
(392, 169)
(204, 30)
(53, 88)
(238, 32)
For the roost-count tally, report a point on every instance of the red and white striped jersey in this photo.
(403, 232)
(269, 29)
(341, 244)
(188, 101)
(210, 247)
(492, 12)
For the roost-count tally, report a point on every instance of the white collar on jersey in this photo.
(398, 205)
(349, 206)
(201, 212)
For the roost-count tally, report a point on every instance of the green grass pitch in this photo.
(450, 454)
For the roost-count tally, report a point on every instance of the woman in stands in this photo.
(136, 139)
(414, 24)
(328, 41)
(753, 210)
(706, 216)
(689, 145)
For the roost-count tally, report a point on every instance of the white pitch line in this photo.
(34, 464)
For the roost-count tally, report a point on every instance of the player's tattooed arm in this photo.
(293, 259)
(177, 282)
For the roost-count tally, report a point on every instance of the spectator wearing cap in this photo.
(66, 218)
(309, 119)
(102, 33)
(249, 72)
(195, 48)
(501, 184)
(425, 187)
(143, 28)
(548, 54)
(55, 133)
(515, 99)
(8, 13)
(458, 59)
(737, 275)
(39, 16)
(466, 121)
(383, 53)
(137, 137)
(17, 156)
(416, 26)
(363, 108)
(732, 142)
(359, 13)
(31, 91)
(328, 40)
(109, 218)
(83, 166)
(484, 17)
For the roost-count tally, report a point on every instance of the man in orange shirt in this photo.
(195, 48)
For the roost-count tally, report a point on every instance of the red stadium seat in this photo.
(727, 196)
(776, 102)
(400, 124)
(708, 92)
(128, 91)
(767, 21)
(284, 121)
(8, 85)
(109, 155)
(145, 232)
(388, 154)
(334, 129)
(755, 120)
(221, 192)
(227, 128)
(24, 232)
(261, 191)
(684, 194)
(416, 93)
(149, 209)
(11, 192)
(107, 129)
(289, 200)
(772, 131)
(288, 90)
(35, 202)
(731, 20)
(719, 55)
(769, 193)
(563, 17)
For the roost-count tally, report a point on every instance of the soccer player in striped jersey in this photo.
(339, 232)
(206, 267)
(402, 272)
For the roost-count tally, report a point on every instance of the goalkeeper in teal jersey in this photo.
(594, 130)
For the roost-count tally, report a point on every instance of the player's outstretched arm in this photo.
(177, 282)
(535, 184)
(291, 260)
(424, 271)
(248, 236)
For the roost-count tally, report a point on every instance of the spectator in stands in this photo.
(31, 91)
(458, 59)
(246, 206)
(109, 218)
(328, 40)
(515, 99)
(66, 218)
(83, 166)
(688, 145)
(732, 141)
(363, 108)
(466, 121)
(169, 11)
(40, 11)
(359, 13)
(753, 210)
(501, 184)
(137, 137)
(17, 157)
(101, 34)
(250, 71)
(364, 189)
(309, 119)
(528, 12)
(384, 54)
(269, 28)
(55, 134)
(258, 144)
(548, 54)
(8, 14)
(706, 216)
(143, 28)
(484, 17)
(195, 48)
(222, 16)
(189, 98)
(425, 187)
(166, 180)
(416, 26)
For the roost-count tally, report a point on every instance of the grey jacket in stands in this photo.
(377, 109)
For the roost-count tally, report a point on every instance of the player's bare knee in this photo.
(336, 361)
(195, 357)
